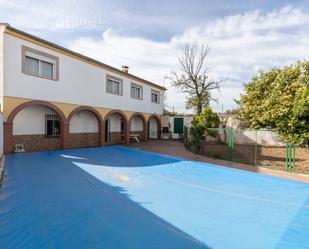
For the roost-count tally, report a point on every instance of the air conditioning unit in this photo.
(19, 148)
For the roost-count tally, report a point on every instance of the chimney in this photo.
(125, 69)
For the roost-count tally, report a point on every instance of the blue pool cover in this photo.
(117, 197)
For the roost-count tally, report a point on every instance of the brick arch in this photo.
(145, 126)
(86, 108)
(157, 118)
(98, 117)
(8, 125)
(126, 122)
(34, 103)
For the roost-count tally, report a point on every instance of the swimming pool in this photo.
(119, 197)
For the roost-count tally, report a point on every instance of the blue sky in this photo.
(244, 36)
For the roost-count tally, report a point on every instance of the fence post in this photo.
(230, 143)
(255, 152)
(196, 144)
(293, 156)
(185, 140)
(287, 157)
(290, 157)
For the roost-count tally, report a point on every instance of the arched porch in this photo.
(38, 125)
(116, 129)
(86, 128)
(154, 127)
(138, 126)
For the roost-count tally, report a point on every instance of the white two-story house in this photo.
(54, 98)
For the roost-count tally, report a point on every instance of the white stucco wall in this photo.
(153, 130)
(77, 82)
(83, 121)
(169, 121)
(187, 121)
(1, 65)
(31, 120)
(136, 124)
(115, 123)
(262, 137)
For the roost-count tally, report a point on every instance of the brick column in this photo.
(145, 131)
(65, 135)
(8, 137)
(127, 133)
(159, 129)
(101, 133)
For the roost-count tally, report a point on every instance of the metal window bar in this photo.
(52, 125)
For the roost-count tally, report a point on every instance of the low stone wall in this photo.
(81, 140)
(37, 142)
(302, 160)
(267, 156)
(270, 156)
(219, 151)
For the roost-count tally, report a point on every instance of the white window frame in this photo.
(133, 85)
(158, 96)
(41, 57)
(114, 79)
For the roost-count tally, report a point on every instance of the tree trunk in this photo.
(199, 108)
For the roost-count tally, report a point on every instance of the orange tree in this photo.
(279, 99)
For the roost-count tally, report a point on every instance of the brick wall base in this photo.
(115, 138)
(81, 140)
(37, 142)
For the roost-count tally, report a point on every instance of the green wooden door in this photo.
(178, 125)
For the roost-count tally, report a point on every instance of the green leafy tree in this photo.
(201, 123)
(279, 99)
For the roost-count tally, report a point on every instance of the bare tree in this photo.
(194, 79)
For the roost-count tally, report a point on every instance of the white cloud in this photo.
(68, 15)
(240, 46)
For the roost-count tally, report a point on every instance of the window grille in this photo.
(52, 125)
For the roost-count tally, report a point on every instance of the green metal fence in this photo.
(290, 157)
(248, 146)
